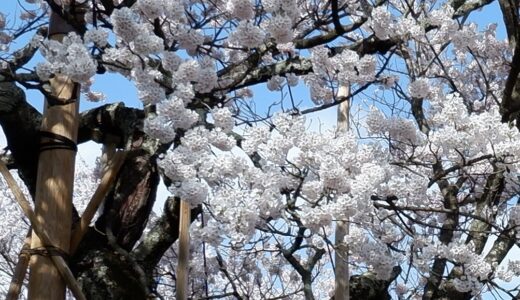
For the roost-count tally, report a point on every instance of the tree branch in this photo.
(20, 122)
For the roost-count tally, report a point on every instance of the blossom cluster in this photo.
(69, 57)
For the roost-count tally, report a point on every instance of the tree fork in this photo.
(55, 177)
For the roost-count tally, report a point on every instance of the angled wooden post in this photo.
(341, 272)
(39, 230)
(184, 251)
(108, 179)
(20, 270)
(55, 177)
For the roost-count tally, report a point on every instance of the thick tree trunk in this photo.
(127, 209)
(105, 274)
(105, 266)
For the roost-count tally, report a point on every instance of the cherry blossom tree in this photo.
(428, 177)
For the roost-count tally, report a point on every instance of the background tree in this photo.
(429, 182)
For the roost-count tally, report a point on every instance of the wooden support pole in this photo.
(108, 151)
(38, 228)
(341, 273)
(184, 251)
(55, 177)
(20, 270)
(102, 190)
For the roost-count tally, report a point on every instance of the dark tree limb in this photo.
(510, 106)
(20, 122)
(111, 123)
(469, 6)
(449, 192)
(509, 10)
(368, 286)
(480, 231)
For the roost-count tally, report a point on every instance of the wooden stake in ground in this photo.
(53, 200)
(341, 254)
(184, 251)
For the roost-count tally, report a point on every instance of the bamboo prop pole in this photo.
(107, 154)
(55, 177)
(20, 270)
(184, 251)
(341, 273)
(37, 227)
(102, 190)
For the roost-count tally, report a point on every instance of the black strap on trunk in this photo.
(56, 142)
